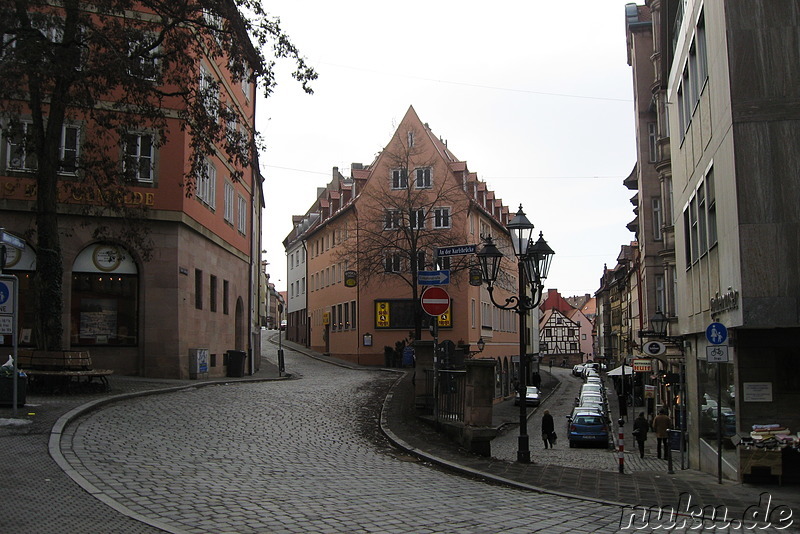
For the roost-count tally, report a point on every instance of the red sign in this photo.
(435, 301)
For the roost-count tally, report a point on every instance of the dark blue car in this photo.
(590, 428)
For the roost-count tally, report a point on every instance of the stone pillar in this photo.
(479, 392)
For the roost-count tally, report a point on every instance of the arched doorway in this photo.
(238, 325)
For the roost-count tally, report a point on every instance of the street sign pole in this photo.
(9, 304)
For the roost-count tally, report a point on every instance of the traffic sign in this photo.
(459, 250)
(717, 354)
(716, 333)
(433, 278)
(435, 301)
(7, 292)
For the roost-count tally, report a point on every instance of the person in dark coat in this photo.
(548, 427)
(640, 428)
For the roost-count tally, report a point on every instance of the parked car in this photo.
(594, 380)
(593, 388)
(283, 324)
(577, 370)
(588, 428)
(531, 396)
(708, 422)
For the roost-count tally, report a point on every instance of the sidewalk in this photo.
(645, 483)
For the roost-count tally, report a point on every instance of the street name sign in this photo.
(433, 278)
(435, 301)
(458, 250)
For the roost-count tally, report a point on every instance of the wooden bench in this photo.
(57, 369)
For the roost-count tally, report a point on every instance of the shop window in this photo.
(105, 292)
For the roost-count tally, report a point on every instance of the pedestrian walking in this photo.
(640, 428)
(661, 424)
(548, 430)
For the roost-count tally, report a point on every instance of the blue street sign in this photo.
(716, 333)
(459, 250)
(433, 278)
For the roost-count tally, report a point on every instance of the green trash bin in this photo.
(236, 360)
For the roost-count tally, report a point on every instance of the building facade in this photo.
(200, 287)
(725, 98)
(370, 234)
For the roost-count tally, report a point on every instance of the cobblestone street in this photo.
(560, 404)
(293, 456)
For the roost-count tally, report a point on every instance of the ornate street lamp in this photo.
(658, 323)
(533, 264)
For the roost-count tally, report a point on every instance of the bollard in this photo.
(621, 423)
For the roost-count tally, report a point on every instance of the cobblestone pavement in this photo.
(292, 456)
(560, 401)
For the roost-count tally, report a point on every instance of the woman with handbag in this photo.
(640, 428)
(548, 430)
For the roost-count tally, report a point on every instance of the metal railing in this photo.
(452, 394)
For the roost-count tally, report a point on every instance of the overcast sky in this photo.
(535, 96)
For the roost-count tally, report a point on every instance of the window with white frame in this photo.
(652, 141)
(410, 139)
(242, 225)
(423, 178)
(18, 157)
(69, 149)
(143, 58)
(393, 262)
(229, 197)
(441, 217)
(399, 178)
(246, 85)
(207, 185)
(138, 162)
(702, 51)
(209, 92)
(391, 220)
(702, 229)
(658, 219)
(417, 219)
(661, 293)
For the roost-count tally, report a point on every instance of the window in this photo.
(702, 234)
(353, 322)
(207, 185)
(138, 163)
(208, 93)
(444, 263)
(472, 313)
(198, 289)
(702, 51)
(423, 178)
(143, 58)
(441, 217)
(410, 139)
(658, 221)
(417, 219)
(334, 324)
(399, 178)
(652, 141)
(19, 158)
(242, 226)
(340, 321)
(225, 296)
(105, 309)
(212, 293)
(246, 85)
(346, 315)
(420, 260)
(229, 195)
(712, 208)
(661, 295)
(69, 149)
(392, 262)
(681, 113)
(391, 220)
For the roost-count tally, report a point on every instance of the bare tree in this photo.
(121, 66)
(400, 226)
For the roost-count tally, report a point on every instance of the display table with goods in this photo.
(769, 450)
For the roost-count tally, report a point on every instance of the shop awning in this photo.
(619, 370)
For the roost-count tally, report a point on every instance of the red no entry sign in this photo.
(435, 301)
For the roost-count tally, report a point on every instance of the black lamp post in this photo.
(533, 263)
